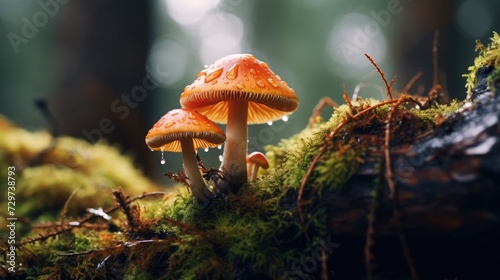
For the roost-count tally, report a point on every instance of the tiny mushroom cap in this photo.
(239, 90)
(186, 130)
(256, 160)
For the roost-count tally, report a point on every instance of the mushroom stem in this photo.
(255, 171)
(235, 149)
(190, 163)
(249, 169)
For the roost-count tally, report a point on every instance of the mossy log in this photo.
(447, 181)
(446, 203)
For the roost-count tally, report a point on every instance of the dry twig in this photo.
(65, 208)
(80, 222)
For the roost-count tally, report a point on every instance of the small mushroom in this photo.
(184, 130)
(254, 161)
(238, 90)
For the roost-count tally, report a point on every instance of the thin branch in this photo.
(100, 226)
(122, 201)
(319, 107)
(65, 208)
(41, 104)
(413, 80)
(408, 258)
(324, 263)
(435, 45)
(392, 83)
(389, 93)
(81, 221)
(347, 100)
(129, 244)
(369, 242)
(387, 150)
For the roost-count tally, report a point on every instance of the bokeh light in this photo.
(12, 10)
(474, 18)
(221, 35)
(188, 12)
(350, 38)
(168, 61)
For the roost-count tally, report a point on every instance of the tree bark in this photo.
(447, 202)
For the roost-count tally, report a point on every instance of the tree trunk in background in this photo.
(412, 46)
(103, 50)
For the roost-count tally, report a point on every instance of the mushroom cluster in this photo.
(235, 90)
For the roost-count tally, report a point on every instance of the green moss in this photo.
(294, 155)
(137, 274)
(50, 169)
(337, 168)
(429, 116)
(488, 55)
(236, 230)
(44, 260)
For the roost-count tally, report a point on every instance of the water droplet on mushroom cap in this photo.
(169, 124)
(203, 72)
(240, 86)
(214, 74)
(159, 123)
(260, 83)
(232, 73)
(273, 82)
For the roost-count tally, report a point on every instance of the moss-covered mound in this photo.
(48, 170)
(488, 56)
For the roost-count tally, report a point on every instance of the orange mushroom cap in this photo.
(259, 159)
(180, 124)
(240, 77)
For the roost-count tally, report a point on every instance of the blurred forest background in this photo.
(111, 69)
